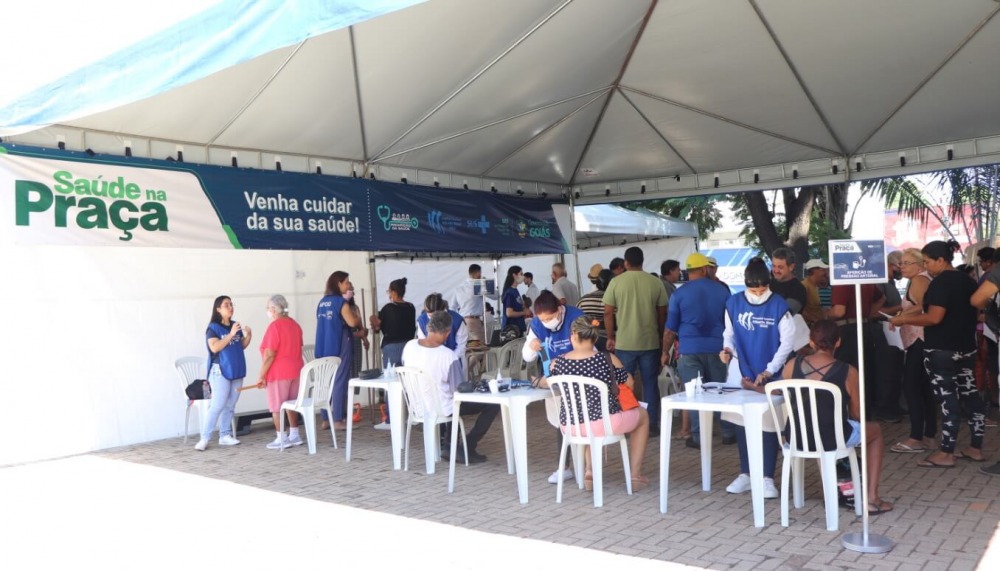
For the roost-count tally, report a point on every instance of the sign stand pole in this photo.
(863, 542)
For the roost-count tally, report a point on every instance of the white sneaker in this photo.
(294, 440)
(201, 446)
(770, 492)
(564, 474)
(278, 443)
(741, 484)
(228, 440)
(382, 426)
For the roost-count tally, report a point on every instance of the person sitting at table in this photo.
(585, 361)
(824, 338)
(458, 337)
(550, 330)
(760, 333)
(438, 362)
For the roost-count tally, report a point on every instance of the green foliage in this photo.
(702, 210)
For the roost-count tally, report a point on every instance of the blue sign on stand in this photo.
(858, 262)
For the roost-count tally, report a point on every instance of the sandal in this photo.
(879, 507)
(639, 482)
(928, 463)
(906, 449)
(960, 455)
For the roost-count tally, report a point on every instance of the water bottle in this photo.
(698, 389)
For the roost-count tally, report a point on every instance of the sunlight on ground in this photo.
(78, 511)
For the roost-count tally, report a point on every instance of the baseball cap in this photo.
(713, 262)
(815, 263)
(594, 271)
(697, 260)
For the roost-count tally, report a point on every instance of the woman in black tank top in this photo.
(824, 338)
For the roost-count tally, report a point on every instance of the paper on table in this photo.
(892, 336)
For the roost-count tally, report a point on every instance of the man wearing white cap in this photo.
(817, 276)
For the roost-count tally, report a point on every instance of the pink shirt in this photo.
(284, 337)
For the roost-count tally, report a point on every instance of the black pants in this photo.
(887, 368)
(917, 391)
(954, 381)
(487, 413)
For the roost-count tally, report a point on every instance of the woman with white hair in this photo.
(281, 353)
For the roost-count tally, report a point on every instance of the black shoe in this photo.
(690, 443)
(475, 457)
(993, 470)
(727, 440)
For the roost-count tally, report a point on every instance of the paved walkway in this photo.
(167, 506)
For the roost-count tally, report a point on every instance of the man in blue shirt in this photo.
(696, 316)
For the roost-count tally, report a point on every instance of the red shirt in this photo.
(284, 337)
(844, 295)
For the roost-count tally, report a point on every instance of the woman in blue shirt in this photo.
(513, 308)
(226, 340)
(334, 319)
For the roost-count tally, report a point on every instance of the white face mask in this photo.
(554, 323)
(757, 299)
(270, 315)
(348, 295)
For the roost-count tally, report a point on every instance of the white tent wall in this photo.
(98, 330)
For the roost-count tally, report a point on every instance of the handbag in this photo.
(198, 389)
(626, 398)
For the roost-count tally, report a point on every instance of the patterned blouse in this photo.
(598, 368)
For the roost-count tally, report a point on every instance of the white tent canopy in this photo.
(683, 96)
(608, 225)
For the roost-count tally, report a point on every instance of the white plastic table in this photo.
(394, 389)
(514, 410)
(750, 405)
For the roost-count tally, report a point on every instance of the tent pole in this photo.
(376, 350)
(572, 239)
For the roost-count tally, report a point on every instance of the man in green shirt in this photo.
(637, 303)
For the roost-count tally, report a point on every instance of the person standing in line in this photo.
(817, 276)
(566, 291)
(985, 295)
(595, 271)
(281, 356)
(697, 318)
(670, 274)
(636, 303)
(916, 383)
(514, 312)
(760, 333)
(713, 273)
(949, 322)
(334, 320)
(617, 266)
(531, 292)
(396, 321)
(592, 305)
(227, 366)
(886, 383)
(783, 281)
(469, 305)
(988, 363)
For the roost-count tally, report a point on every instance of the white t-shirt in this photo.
(440, 365)
(565, 289)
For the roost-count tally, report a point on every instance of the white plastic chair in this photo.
(570, 389)
(315, 391)
(308, 353)
(803, 424)
(424, 406)
(190, 369)
(508, 360)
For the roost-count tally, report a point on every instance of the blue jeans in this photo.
(771, 448)
(224, 397)
(648, 364)
(712, 370)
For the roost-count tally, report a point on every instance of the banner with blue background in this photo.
(61, 197)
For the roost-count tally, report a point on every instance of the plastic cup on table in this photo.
(494, 386)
